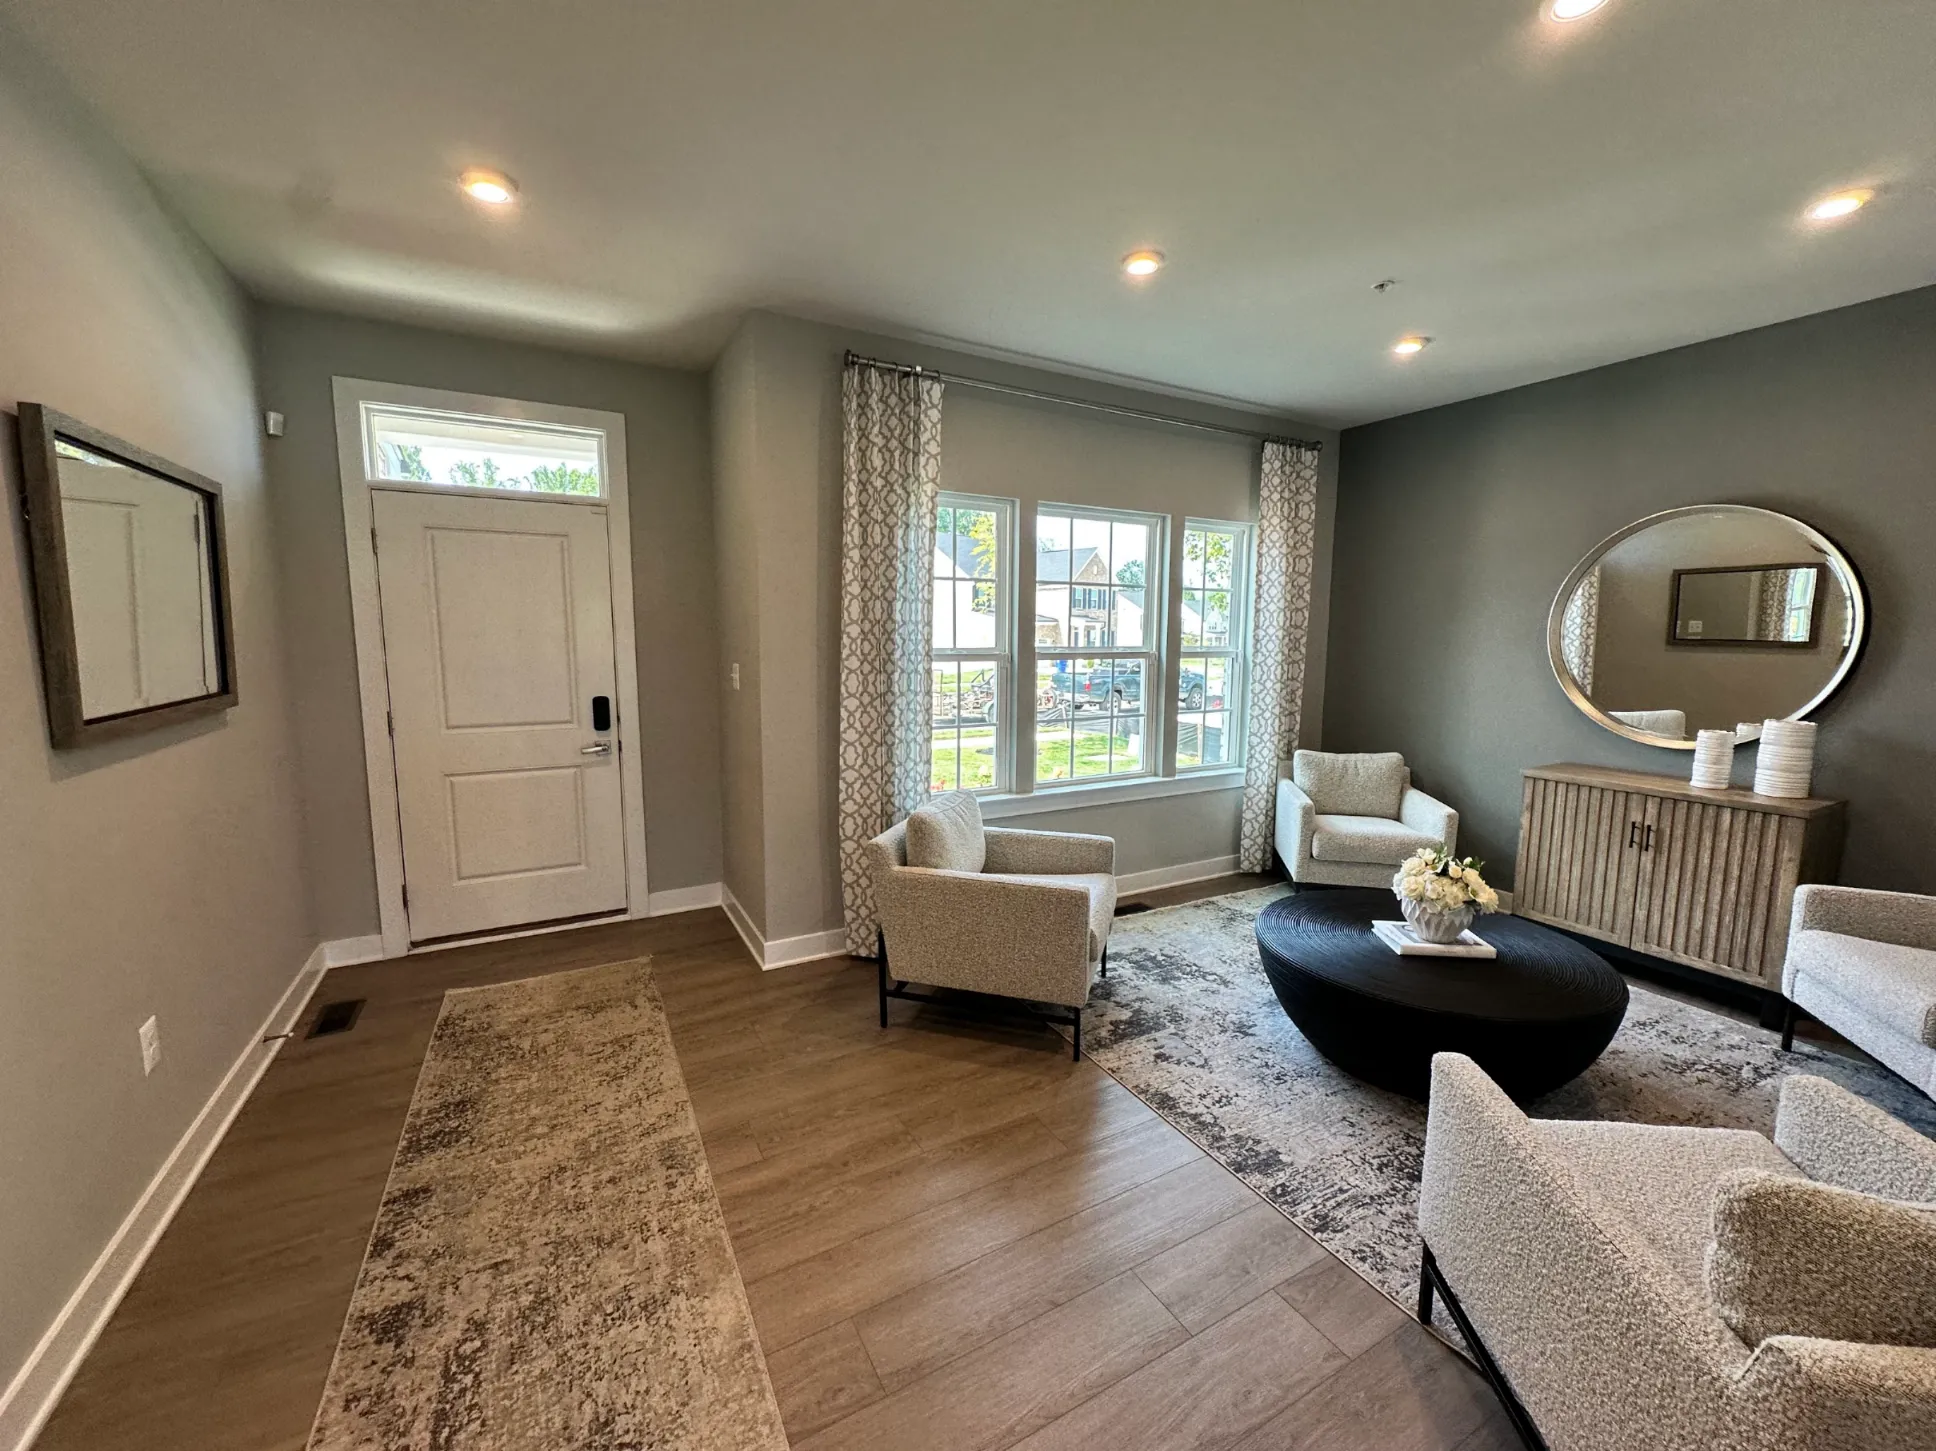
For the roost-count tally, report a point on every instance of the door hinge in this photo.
(373, 539)
(406, 896)
(390, 722)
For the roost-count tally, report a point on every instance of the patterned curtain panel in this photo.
(1580, 629)
(1774, 595)
(1287, 519)
(892, 477)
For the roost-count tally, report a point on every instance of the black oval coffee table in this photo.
(1533, 1017)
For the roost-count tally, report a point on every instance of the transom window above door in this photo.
(436, 449)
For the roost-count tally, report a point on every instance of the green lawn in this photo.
(1091, 757)
(974, 757)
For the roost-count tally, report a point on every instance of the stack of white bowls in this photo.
(1786, 761)
(1713, 760)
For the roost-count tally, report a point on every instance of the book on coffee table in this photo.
(1400, 938)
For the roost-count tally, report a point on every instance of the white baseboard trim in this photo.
(782, 951)
(349, 951)
(1179, 875)
(811, 947)
(743, 924)
(684, 899)
(36, 1390)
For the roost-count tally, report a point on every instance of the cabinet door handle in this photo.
(1647, 838)
(1633, 832)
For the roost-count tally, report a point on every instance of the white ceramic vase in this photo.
(1713, 761)
(1435, 924)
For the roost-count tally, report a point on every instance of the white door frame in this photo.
(386, 832)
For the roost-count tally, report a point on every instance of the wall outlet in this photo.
(150, 1045)
(735, 674)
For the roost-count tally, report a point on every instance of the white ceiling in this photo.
(1550, 197)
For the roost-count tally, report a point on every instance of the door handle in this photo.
(1633, 832)
(1647, 838)
(601, 748)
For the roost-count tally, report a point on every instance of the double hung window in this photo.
(1096, 621)
(1098, 636)
(1216, 630)
(972, 675)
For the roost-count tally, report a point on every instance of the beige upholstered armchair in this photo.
(1688, 1289)
(1350, 821)
(1655, 722)
(1864, 962)
(1018, 914)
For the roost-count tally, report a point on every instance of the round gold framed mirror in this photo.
(1713, 617)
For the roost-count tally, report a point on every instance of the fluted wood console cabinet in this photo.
(1702, 878)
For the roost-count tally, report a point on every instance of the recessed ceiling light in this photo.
(1842, 204)
(1573, 9)
(493, 188)
(1143, 264)
(1405, 347)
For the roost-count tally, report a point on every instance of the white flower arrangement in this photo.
(1444, 883)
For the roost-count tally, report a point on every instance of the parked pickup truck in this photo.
(1101, 688)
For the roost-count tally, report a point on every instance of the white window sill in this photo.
(1108, 793)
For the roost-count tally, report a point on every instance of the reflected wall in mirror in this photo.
(130, 579)
(1706, 618)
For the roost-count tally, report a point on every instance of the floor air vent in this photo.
(338, 1017)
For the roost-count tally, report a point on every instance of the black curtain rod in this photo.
(1146, 415)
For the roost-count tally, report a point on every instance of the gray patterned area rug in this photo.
(1186, 1020)
(550, 1267)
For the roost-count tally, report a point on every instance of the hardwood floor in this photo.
(952, 1236)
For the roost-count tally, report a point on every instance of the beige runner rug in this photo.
(549, 1268)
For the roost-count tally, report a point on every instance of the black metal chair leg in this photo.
(1432, 1281)
(880, 956)
(1788, 1016)
(1105, 962)
(1076, 1055)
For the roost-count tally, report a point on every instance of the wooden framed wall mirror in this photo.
(130, 561)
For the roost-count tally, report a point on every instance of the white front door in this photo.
(497, 633)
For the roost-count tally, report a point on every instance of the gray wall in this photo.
(785, 375)
(738, 516)
(298, 352)
(1456, 526)
(160, 874)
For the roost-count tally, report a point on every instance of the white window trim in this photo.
(1110, 791)
(1007, 607)
(1237, 655)
(386, 832)
(1156, 594)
